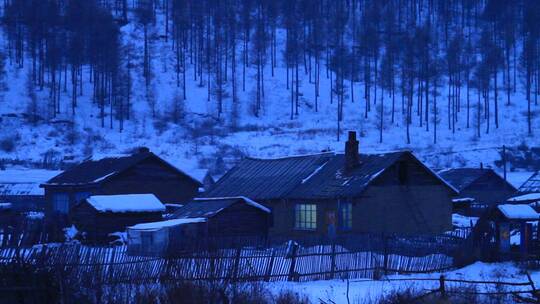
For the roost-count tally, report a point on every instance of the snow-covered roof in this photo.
(5, 206)
(168, 223)
(24, 181)
(319, 176)
(518, 212)
(100, 168)
(126, 203)
(525, 197)
(463, 200)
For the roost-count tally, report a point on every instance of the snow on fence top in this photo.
(518, 212)
(166, 224)
(525, 197)
(126, 203)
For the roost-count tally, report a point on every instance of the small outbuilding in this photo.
(228, 216)
(483, 185)
(20, 187)
(204, 221)
(507, 220)
(156, 238)
(99, 215)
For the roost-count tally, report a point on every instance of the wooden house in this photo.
(481, 186)
(140, 172)
(21, 188)
(329, 194)
(205, 219)
(99, 215)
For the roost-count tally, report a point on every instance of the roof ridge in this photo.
(292, 156)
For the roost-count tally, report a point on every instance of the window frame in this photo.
(65, 203)
(305, 223)
(345, 219)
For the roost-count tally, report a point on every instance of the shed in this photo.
(154, 238)
(98, 216)
(21, 188)
(228, 216)
(507, 218)
(484, 185)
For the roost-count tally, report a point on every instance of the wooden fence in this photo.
(112, 265)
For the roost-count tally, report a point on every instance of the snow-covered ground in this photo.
(202, 138)
(335, 291)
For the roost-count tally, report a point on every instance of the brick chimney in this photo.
(352, 158)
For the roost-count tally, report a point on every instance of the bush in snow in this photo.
(8, 144)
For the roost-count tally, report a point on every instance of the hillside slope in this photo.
(204, 138)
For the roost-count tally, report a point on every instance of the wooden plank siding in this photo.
(239, 220)
(421, 205)
(151, 176)
(489, 189)
(148, 176)
(97, 225)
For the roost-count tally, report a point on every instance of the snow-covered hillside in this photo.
(205, 139)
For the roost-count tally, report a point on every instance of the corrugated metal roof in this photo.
(532, 184)
(333, 181)
(313, 176)
(97, 170)
(15, 182)
(208, 207)
(461, 178)
(262, 179)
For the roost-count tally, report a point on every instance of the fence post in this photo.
(385, 260)
(292, 275)
(212, 265)
(442, 288)
(333, 261)
(533, 291)
(268, 273)
(236, 264)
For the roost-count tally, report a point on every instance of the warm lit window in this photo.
(61, 202)
(345, 213)
(305, 216)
